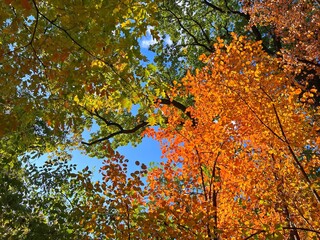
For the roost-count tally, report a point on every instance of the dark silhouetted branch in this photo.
(123, 131)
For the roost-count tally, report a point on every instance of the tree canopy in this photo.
(232, 95)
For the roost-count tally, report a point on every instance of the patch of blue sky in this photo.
(148, 40)
(146, 152)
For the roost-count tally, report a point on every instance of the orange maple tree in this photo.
(241, 162)
(237, 167)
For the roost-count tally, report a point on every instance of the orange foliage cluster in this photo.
(113, 207)
(296, 24)
(236, 169)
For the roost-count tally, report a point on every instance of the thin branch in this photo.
(213, 172)
(108, 123)
(302, 214)
(246, 16)
(189, 33)
(203, 33)
(75, 41)
(109, 64)
(256, 115)
(30, 43)
(202, 176)
(280, 188)
(143, 124)
(285, 228)
(204, 189)
(36, 23)
(303, 229)
(34, 33)
(305, 175)
(128, 221)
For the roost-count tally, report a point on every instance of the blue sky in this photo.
(146, 152)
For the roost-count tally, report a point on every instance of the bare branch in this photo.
(108, 123)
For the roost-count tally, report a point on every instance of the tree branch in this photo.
(188, 32)
(257, 116)
(179, 106)
(254, 234)
(285, 139)
(246, 16)
(123, 131)
(303, 229)
(108, 123)
(143, 124)
(305, 175)
(214, 6)
(308, 62)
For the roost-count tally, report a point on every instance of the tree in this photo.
(242, 161)
(237, 167)
(238, 125)
(38, 202)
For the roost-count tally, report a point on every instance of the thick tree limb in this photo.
(143, 124)
(123, 131)
(309, 62)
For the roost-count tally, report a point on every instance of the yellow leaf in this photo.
(126, 103)
(76, 99)
(152, 121)
(124, 24)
